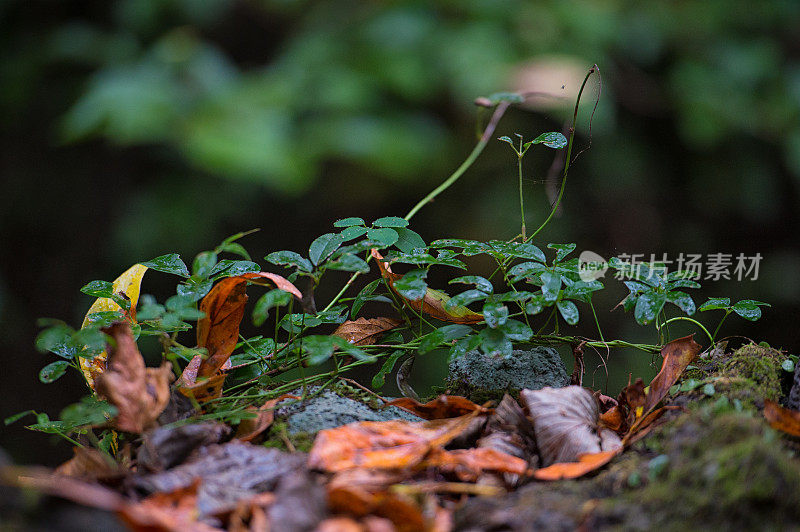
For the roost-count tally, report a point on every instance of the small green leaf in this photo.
(507, 140)
(462, 346)
(348, 222)
(318, 348)
(194, 289)
(53, 371)
(412, 285)
(788, 365)
(551, 284)
(535, 305)
(385, 236)
(683, 301)
(380, 378)
(270, 300)
(363, 296)
(104, 319)
(709, 390)
(562, 250)
(690, 384)
(289, 258)
(525, 270)
(98, 289)
(568, 311)
(408, 240)
(57, 340)
(481, 283)
(204, 264)
(355, 231)
(323, 247)
(232, 268)
(648, 305)
(390, 221)
(465, 298)
(170, 263)
(517, 331)
(749, 309)
(348, 263)
(553, 139)
(495, 313)
(715, 303)
(495, 342)
(16, 417)
(233, 248)
(517, 249)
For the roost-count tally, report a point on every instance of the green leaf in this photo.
(319, 348)
(294, 323)
(204, 264)
(517, 249)
(194, 289)
(384, 236)
(444, 334)
(232, 268)
(348, 222)
(105, 318)
(788, 365)
(390, 221)
(495, 313)
(682, 283)
(683, 301)
(648, 305)
(535, 305)
(465, 298)
(380, 378)
(715, 303)
(91, 341)
(568, 311)
(408, 240)
(525, 270)
(690, 384)
(495, 342)
(348, 263)
(709, 390)
(517, 331)
(352, 350)
(420, 256)
(16, 417)
(412, 285)
(468, 248)
(53, 371)
(355, 231)
(88, 411)
(270, 300)
(323, 247)
(170, 263)
(748, 309)
(481, 283)
(233, 248)
(507, 140)
(553, 139)
(363, 296)
(562, 250)
(551, 284)
(289, 258)
(98, 289)
(57, 340)
(510, 97)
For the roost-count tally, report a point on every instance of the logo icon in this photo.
(592, 266)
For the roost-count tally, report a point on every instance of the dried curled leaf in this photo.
(565, 421)
(218, 331)
(365, 331)
(265, 415)
(469, 464)
(781, 418)
(139, 393)
(126, 285)
(205, 389)
(433, 303)
(444, 406)
(677, 355)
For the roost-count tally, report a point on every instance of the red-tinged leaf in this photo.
(443, 407)
(613, 419)
(203, 390)
(170, 512)
(265, 415)
(382, 444)
(433, 303)
(139, 393)
(781, 418)
(677, 355)
(469, 464)
(218, 331)
(568, 470)
(128, 286)
(365, 331)
(401, 511)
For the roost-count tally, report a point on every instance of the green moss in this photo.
(278, 436)
(751, 374)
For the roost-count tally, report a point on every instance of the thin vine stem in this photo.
(684, 318)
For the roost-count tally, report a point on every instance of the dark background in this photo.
(134, 128)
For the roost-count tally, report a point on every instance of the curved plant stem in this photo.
(727, 313)
(487, 134)
(569, 154)
(684, 318)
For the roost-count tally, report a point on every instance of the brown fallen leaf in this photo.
(175, 511)
(382, 444)
(469, 464)
(401, 511)
(568, 470)
(139, 393)
(218, 331)
(89, 464)
(265, 415)
(677, 355)
(781, 418)
(432, 303)
(365, 331)
(444, 406)
(566, 423)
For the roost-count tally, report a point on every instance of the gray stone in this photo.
(328, 410)
(480, 376)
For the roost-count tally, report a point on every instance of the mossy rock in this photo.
(482, 377)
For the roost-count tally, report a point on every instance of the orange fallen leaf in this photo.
(568, 470)
(218, 331)
(401, 511)
(382, 444)
(127, 285)
(612, 418)
(203, 390)
(365, 331)
(170, 512)
(677, 355)
(468, 464)
(444, 406)
(139, 393)
(432, 303)
(265, 415)
(781, 418)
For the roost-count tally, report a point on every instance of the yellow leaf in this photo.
(129, 284)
